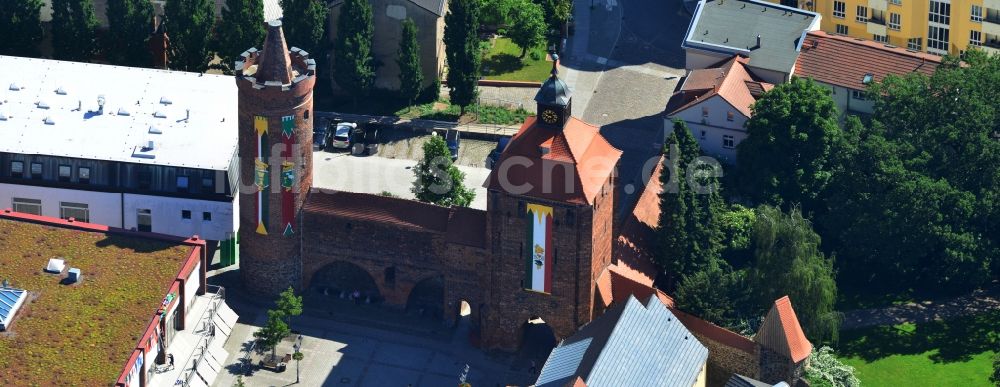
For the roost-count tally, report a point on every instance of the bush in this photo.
(536, 55)
(824, 369)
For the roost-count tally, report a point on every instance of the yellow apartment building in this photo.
(934, 26)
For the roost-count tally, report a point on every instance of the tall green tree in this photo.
(241, 27)
(289, 304)
(353, 64)
(189, 24)
(787, 157)
(411, 74)
(788, 261)
(73, 30)
(273, 331)
(688, 236)
(129, 24)
(496, 13)
(20, 24)
(714, 293)
(304, 24)
(556, 15)
(527, 26)
(438, 181)
(461, 40)
(995, 377)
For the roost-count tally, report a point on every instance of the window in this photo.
(65, 173)
(728, 142)
(702, 134)
(182, 183)
(206, 216)
(839, 9)
(78, 211)
(939, 13)
(144, 219)
(729, 116)
(914, 44)
(975, 38)
(36, 170)
(185, 214)
(306, 116)
(841, 29)
(17, 168)
(976, 13)
(878, 16)
(896, 2)
(858, 95)
(207, 184)
(862, 16)
(145, 177)
(704, 112)
(895, 21)
(83, 175)
(937, 39)
(880, 38)
(27, 206)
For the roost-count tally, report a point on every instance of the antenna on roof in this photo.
(100, 104)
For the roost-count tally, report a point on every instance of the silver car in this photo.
(342, 136)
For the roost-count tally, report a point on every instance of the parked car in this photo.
(342, 135)
(364, 141)
(494, 155)
(321, 138)
(453, 138)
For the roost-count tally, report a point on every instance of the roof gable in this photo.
(844, 61)
(781, 332)
(731, 81)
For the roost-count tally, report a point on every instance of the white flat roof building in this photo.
(52, 108)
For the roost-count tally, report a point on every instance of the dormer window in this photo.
(704, 112)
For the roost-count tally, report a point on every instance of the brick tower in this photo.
(549, 211)
(275, 153)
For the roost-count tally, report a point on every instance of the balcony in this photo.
(991, 23)
(880, 4)
(995, 4)
(876, 26)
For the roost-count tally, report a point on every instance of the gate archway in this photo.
(426, 299)
(345, 280)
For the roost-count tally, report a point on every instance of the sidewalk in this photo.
(484, 130)
(924, 311)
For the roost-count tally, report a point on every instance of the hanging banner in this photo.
(287, 175)
(262, 177)
(538, 257)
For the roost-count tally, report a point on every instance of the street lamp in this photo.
(297, 356)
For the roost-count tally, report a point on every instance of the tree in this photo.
(411, 75)
(496, 13)
(289, 304)
(786, 157)
(438, 181)
(556, 15)
(73, 30)
(714, 294)
(20, 24)
(189, 23)
(241, 27)
(788, 261)
(353, 65)
(304, 24)
(824, 369)
(129, 25)
(527, 26)
(995, 378)
(461, 25)
(688, 235)
(272, 332)
(736, 224)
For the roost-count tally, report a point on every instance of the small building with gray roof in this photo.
(770, 35)
(632, 344)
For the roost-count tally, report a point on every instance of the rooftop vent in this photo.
(50, 121)
(165, 101)
(3, 115)
(11, 300)
(15, 87)
(55, 266)
(868, 78)
(153, 129)
(150, 145)
(544, 149)
(74, 275)
(160, 114)
(42, 105)
(123, 111)
(61, 91)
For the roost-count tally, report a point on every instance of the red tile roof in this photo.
(461, 225)
(715, 333)
(782, 333)
(844, 61)
(633, 247)
(617, 282)
(568, 165)
(732, 81)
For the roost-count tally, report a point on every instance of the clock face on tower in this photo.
(550, 117)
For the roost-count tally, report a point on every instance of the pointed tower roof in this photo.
(554, 91)
(274, 64)
(782, 333)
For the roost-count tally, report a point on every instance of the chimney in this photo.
(758, 41)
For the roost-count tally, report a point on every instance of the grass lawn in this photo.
(444, 111)
(943, 353)
(503, 63)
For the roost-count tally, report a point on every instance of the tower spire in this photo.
(274, 64)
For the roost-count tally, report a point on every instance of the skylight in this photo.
(11, 300)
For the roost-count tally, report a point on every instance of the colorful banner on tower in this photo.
(261, 175)
(287, 174)
(539, 250)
